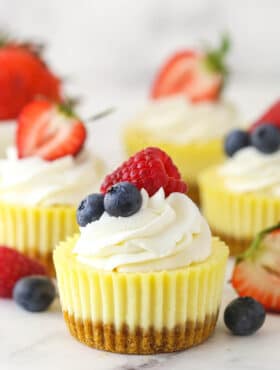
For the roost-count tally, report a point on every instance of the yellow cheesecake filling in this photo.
(160, 300)
(235, 214)
(35, 231)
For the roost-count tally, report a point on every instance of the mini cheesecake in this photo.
(242, 197)
(144, 275)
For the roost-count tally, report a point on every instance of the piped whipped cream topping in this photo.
(33, 181)
(166, 233)
(177, 120)
(7, 134)
(251, 170)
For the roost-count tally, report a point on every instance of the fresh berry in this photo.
(90, 209)
(199, 76)
(34, 293)
(272, 116)
(244, 316)
(14, 266)
(266, 138)
(151, 169)
(122, 200)
(49, 131)
(235, 141)
(23, 76)
(257, 270)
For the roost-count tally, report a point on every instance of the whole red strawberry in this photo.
(150, 169)
(13, 267)
(199, 76)
(257, 271)
(271, 116)
(23, 76)
(49, 130)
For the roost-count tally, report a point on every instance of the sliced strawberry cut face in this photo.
(259, 282)
(175, 74)
(187, 74)
(45, 130)
(271, 116)
(257, 271)
(199, 76)
(205, 85)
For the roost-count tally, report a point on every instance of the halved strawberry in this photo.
(272, 116)
(23, 76)
(257, 271)
(197, 75)
(49, 130)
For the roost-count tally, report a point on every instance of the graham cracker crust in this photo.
(236, 246)
(193, 193)
(104, 336)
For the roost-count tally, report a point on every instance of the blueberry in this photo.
(235, 141)
(90, 209)
(122, 200)
(244, 316)
(34, 293)
(266, 138)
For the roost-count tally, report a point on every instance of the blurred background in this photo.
(109, 50)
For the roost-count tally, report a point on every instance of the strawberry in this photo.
(199, 76)
(271, 116)
(13, 267)
(150, 169)
(23, 75)
(49, 130)
(257, 270)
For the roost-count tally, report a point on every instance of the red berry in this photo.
(49, 131)
(13, 267)
(272, 116)
(150, 169)
(199, 76)
(257, 271)
(23, 76)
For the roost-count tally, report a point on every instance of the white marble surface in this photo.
(41, 341)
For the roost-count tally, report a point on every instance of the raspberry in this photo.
(13, 267)
(150, 169)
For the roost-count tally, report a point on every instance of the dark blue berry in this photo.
(235, 141)
(266, 138)
(122, 200)
(34, 293)
(90, 209)
(244, 316)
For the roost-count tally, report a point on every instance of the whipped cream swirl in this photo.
(251, 170)
(166, 233)
(7, 134)
(177, 120)
(33, 181)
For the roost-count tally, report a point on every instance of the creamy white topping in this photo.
(166, 233)
(251, 170)
(34, 181)
(175, 119)
(7, 135)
